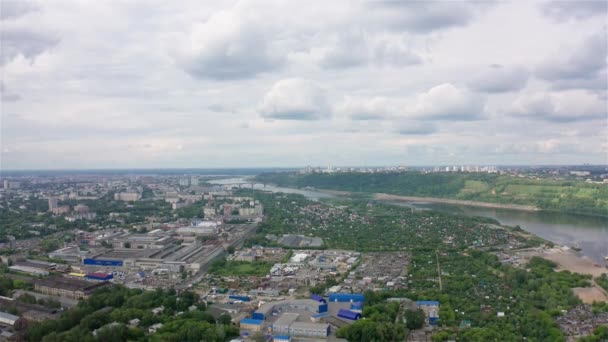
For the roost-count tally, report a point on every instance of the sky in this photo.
(205, 84)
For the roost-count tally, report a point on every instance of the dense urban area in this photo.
(185, 256)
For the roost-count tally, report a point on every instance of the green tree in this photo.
(224, 319)
(414, 319)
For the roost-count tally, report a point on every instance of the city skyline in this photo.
(247, 84)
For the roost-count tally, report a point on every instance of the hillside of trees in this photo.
(546, 194)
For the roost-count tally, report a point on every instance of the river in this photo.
(588, 232)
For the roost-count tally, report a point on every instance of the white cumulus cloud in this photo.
(295, 99)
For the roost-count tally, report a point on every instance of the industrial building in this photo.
(29, 270)
(68, 288)
(352, 315)
(9, 320)
(309, 329)
(97, 276)
(318, 298)
(251, 324)
(281, 326)
(288, 324)
(171, 257)
(267, 309)
(346, 297)
(155, 239)
(199, 227)
(70, 254)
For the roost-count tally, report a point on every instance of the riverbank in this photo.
(387, 197)
(570, 260)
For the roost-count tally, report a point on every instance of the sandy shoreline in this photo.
(567, 259)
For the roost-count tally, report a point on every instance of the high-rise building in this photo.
(227, 210)
(52, 203)
(11, 185)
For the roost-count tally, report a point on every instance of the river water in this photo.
(587, 232)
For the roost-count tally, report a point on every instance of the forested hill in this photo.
(548, 194)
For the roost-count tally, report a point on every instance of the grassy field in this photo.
(223, 267)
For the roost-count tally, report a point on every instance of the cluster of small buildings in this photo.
(466, 168)
(260, 253)
(311, 267)
(580, 321)
(158, 252)
(68, 287)
(377, 271)
(312, 318)
(81, 211)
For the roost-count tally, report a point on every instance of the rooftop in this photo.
(251, 321)
(286, 319)
(68, 284)
(7, 318)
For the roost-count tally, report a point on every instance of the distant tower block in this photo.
(52, 203)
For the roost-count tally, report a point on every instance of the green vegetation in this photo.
(224, 267)
(475, 285)
(602, 281)
(30, 218)
(356, 226)
(196, 210)
(7, 285)
(120, 305)
(599, 334)
(381, 324)
(475, 288)
(559, 195)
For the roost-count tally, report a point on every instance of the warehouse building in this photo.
(318, 298)
(351, 315)
(29, 270)
(172, 258)
(157, 239)
(98, 276)
(267, 309)
(308, 329)
(68, 288)
(346, 297)
(254, 325)
(287, 324)
(70, 254)
(281, 326)
(9, 320)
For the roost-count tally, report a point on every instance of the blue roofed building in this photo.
(318, 298)
(310, 305)
(251, 324)
(351, 315)
(431, 310)
(346, 297)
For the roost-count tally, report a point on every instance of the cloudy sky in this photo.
(155, 83)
